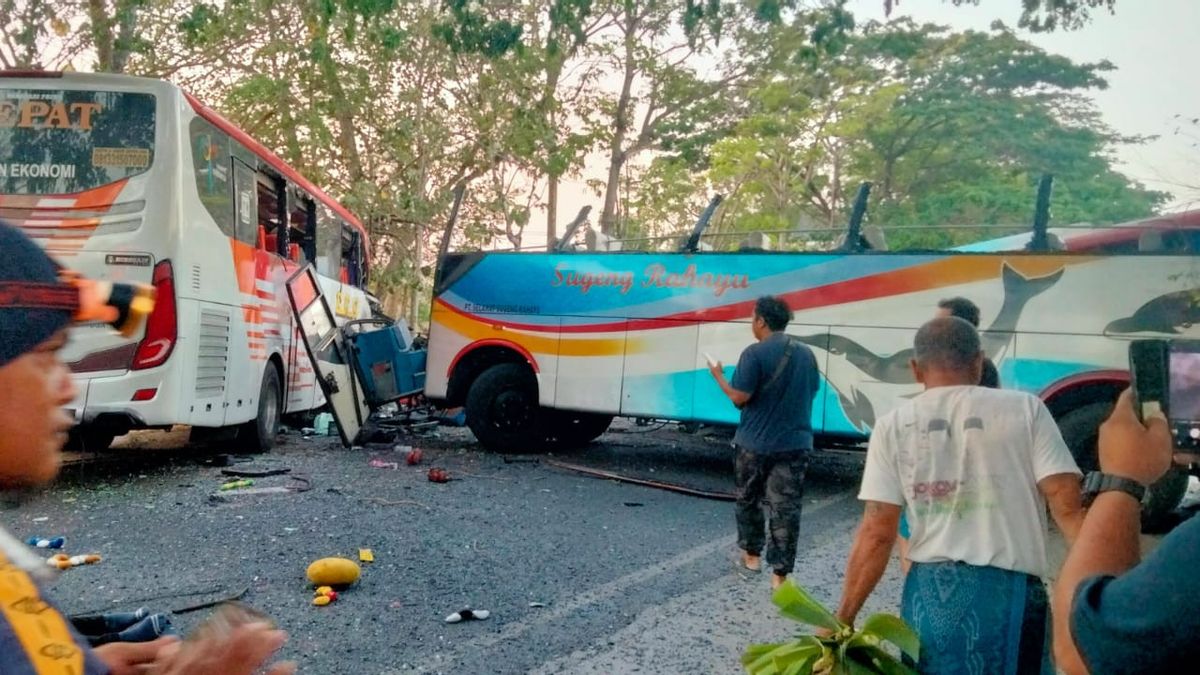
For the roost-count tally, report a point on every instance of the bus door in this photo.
(329, 353)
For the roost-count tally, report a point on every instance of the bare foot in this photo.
(750, 561)
(777, 581)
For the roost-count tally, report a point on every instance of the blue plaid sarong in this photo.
(977, 620)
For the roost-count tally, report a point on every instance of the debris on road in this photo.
(323, 424)
(438, 475)
(324, 595)
(63, 561)
(366, 555)
(468, 614)
(52, 543)
(254, 473)
(634, 504)
(413, 457)
(333, 572)
(537, 605)
(682, 489)
(237, 484)
(380, 464)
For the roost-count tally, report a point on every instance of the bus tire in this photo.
(1081, 430)
(503, 411)
(572, 429)
(258, 435)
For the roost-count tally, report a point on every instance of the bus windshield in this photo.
(67, 141)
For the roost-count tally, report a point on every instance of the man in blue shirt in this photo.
(774, 385)
(1113, 611)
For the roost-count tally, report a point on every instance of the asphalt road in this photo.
(625, 578)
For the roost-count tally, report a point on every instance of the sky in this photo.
(1152, 43)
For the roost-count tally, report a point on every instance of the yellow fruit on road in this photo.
(333, 572)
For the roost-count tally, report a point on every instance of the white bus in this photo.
(131, 179)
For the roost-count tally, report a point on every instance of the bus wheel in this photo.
(258, 435)
(570, 429)
(502, 409)
(1081, 430)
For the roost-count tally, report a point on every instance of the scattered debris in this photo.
(393, 502)
(366, 555)
(521, 460)
(438, 475)
(682, 489)
(634, 504)
(237, 484)
(413, 457)
(380, 464)
(41, 519)
(63, 561)
(537, 605)
(324, 595)
(468, 614)
(333, 572)
(323, 424)
(255, 473)
(52, 543)
(212, 603)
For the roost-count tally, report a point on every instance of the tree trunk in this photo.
(102, 35)
(551, 211)
(617, 154)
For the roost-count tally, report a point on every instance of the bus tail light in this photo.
(162, 327)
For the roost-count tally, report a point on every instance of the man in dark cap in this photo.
(36, 308)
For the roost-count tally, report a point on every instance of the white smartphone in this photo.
(711, 361)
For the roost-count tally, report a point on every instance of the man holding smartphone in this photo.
(774, 386)
(1113, 611)
(36, 309)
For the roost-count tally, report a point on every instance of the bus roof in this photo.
(276, 163)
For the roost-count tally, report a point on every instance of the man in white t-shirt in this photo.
(975, 468)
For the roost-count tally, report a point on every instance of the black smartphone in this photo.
(1166, 378)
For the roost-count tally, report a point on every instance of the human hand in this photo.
(717, 369)
(131, 658)
(244, 651)
(1132, 449)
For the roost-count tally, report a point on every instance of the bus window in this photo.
(302, 223)
(211, 168)
(328, 245)
(351, 257)
(245, 202)
(270, 210)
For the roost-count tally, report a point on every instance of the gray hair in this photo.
(947, 343)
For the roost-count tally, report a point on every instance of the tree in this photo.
(1042, 16)
(951, 128)
(40, 34)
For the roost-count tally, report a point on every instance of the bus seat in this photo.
(1150, 241)
(345, 276)
(272, 243)
(261, 242)
(294, 252)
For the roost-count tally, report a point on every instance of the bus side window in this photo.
(211, 170)
(245, 202)
(302, 228)
(328, 244)
(351, 256)
(272, 202)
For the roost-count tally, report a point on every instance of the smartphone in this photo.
(1166, 378)
(711, 361)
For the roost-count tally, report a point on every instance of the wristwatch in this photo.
(1096, 482)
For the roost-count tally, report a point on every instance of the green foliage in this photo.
(846, 650)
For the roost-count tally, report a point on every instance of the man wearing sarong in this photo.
(975, 468)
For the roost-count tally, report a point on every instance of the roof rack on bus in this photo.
(1040, 241)
(854, 234)
(693, 241)
(30, 72)
(572, 228)
(460, 191)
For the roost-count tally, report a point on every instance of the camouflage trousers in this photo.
(770, 492)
